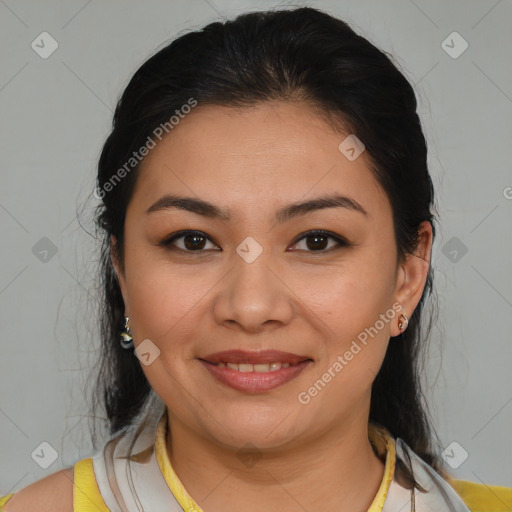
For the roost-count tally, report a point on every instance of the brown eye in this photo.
(317, 241)
(196, 241)
(192, 241)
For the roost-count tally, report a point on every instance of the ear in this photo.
(412, 275)
(117, 268)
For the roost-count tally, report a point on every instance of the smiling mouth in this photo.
(258, 377)
(258, 367)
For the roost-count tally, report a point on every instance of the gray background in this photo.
(56, 113)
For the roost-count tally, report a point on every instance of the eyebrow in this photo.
(207, 209)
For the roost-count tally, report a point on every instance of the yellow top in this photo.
(86, 495)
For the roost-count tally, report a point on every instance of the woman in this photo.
(267, 217)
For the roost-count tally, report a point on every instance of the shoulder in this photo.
(52, 493)
(482, 497)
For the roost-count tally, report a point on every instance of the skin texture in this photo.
(53, 493)
(307, 301)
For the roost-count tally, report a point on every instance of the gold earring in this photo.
(401, 323)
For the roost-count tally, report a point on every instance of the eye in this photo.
(193, 241)
(319, 238)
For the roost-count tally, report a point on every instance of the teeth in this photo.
(260, 368)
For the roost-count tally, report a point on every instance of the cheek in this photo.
(349, 300)
(164, 300)
(163, 296)
(348, 297)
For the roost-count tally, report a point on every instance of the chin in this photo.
(263, 432)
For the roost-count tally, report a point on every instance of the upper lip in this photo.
(260, 357)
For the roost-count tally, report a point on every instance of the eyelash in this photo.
(168, 242)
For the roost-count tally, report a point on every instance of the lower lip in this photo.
(254, 382)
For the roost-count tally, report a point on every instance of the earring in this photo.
(126, 338)
(401, 325)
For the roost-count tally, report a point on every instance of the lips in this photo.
(254, 381)
(243, 357)
(255, 372)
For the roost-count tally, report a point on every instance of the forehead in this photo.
(249, 157)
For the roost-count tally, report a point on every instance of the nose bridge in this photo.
(252, 295)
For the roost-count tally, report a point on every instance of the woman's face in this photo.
(256, 282)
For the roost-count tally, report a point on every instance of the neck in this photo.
(337, 469)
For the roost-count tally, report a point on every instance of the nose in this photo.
(253, 297)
